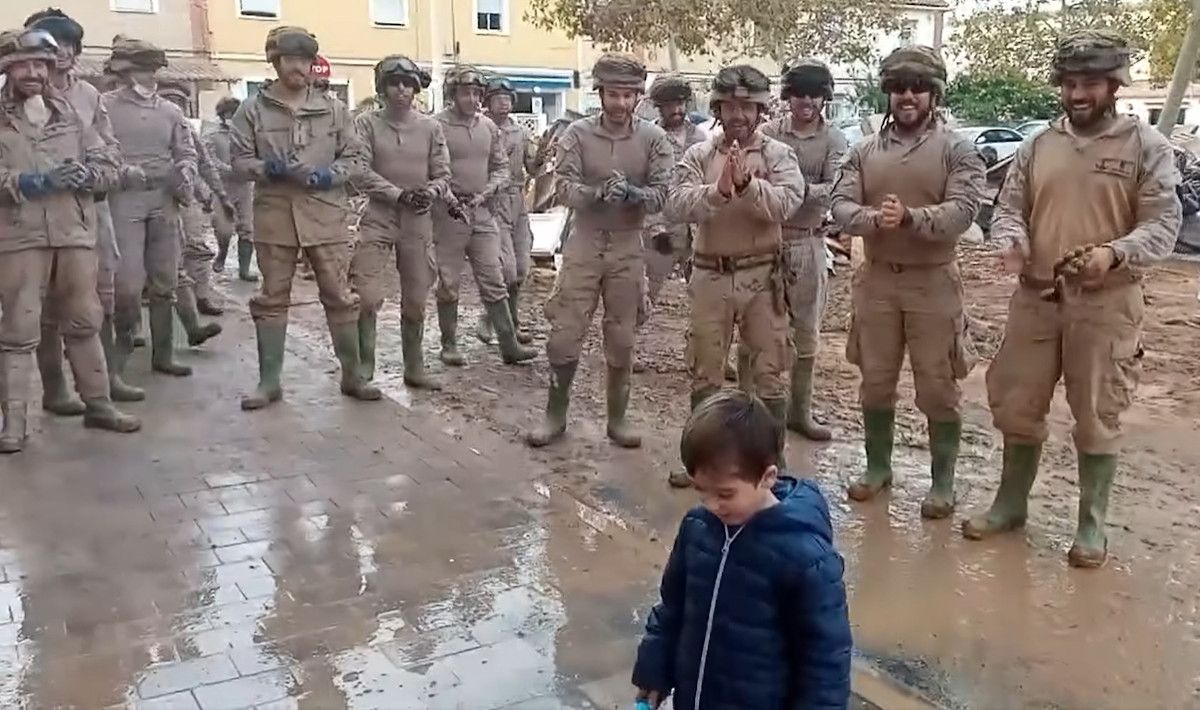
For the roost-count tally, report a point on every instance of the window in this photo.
(490, 15)
(135, 5)
(259, 8)
(390, 13)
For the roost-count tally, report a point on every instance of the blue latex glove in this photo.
(642, 705)
(275, 169)
(320, 179)
(34, 184)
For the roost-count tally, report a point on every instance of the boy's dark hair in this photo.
(732, 427)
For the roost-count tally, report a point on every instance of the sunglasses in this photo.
(900, 86)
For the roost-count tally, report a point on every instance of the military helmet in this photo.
(914, 63)
(65, 30)
(1092, 52)
(398, 65)
(129, 54)
(669, 87)
(24, 45)
(807, 77)
(497, 85)
(619, 70)
(289, 41)
(741, 81)
(228, 106)
(464, 75)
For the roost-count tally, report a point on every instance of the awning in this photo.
(178, 69)
(540, 83)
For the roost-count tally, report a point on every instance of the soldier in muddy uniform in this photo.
(478, 172)
(241, 195)
(738, 187)
(194, 295)
(408, 168)
(819, 148)
(512, 216)
(158, 174)
(612, 169)
(300, 148)
(910, 191)
(1088, 204)
(85, 99)
(51, 165)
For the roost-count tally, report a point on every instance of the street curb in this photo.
(873, 688)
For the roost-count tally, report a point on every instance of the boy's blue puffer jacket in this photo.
(780, 635)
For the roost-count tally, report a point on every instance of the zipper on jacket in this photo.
(712, 610)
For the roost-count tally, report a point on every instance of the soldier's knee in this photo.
(938, 399)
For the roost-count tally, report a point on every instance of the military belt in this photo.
(730, 264)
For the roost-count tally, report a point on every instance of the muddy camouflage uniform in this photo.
(404, 155)
(156, 141)
(241, 195)
(300, 159)
(908, 293)
(1064, 192)
(819, 153)
(612, 178)
(49, 173)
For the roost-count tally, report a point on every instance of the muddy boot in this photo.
(208, 307)
(800, 419)
(245, 251)
(115, 359)
(218, 263)
(679, 478)
(162, 341)
(345, 345)
(1011, 505)
(943, 450)
(12, 436)
(483, 330)
(779, 409)
(448, 324)
(1096, 472)
(514, 292)
(412, 339)
(186, 306)
(139, 335)
(511, 351)
(557, 402)
(57, 398)
(879, 432)
(272, 337)
(745, 371)
(367, 329)
(620, 432)
(101, 414)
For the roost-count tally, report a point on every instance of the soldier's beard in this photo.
(1086, 116)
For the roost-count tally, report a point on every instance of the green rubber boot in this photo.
(879, 432)
(101, 414)
(1096, 472)
(779, 409)
(944, 438)
(514, 294)
(511, 351)
(800, 419)
(12, 436)
(186, 307)
(483, 330)
(57, 398)
(218, 262)
(345, 345)
(272, 337)
(1011, 505)
(745, 370)
(620, 432)
(412, 337)
(245, 252)
(162, 341)
(367, 330)
(448, 324)
(557, 402)
(118, 390)
(679, 478)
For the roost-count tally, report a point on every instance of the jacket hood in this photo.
(802, 507)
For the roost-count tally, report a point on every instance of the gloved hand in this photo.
(636, 195)
(320, 179)
(476, 201)
(275, 169)
(420, 199)
(133, 177)
(454, 208)
(34, 185)
(69, 175)
(613, 190)
(228, 208)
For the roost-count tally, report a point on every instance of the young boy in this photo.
(753, 611)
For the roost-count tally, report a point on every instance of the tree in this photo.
(1165, 35)
(1003, 99)
(842, 31)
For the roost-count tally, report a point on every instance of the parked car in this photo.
(1032, 128)
(993, 142)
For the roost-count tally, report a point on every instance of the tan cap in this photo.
(129, 53)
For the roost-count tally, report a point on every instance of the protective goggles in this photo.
(37, 40)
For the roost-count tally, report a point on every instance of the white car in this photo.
(993, 143)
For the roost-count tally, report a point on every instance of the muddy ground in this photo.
(997, 624)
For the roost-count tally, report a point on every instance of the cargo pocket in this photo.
(1121, 381)
(963, 357)
(853, 349)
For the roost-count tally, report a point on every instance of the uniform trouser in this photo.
(479, 242)
(197, 254)
(743, 298)
(108, 258)
(277, 264)
(242, 196)
(410, 249)
(146, 223)
(665, 249)
(597, 265)
(63, 282)
(918, 307)
(1092, 340)
(807, 279)
(516, 238)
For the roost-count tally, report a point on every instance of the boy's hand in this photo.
(653, 697)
